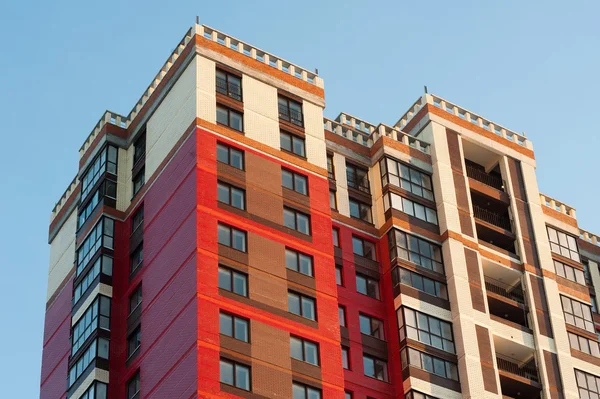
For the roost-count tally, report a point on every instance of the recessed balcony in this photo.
(505, 297)
(517, 369)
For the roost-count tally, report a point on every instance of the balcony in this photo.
(517, 369)
(505, 297)
(291, 115)
(358, 183)
(492, 218)
(230, 89)
(477, 172)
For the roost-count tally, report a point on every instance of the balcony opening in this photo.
(493, 178)
(519, 377)
(506, 300)
(492, 221)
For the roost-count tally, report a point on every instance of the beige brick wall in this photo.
(339, 167)
(315, 135)
(206, 106)
(62, 254)
(261, 117)
(124, 178)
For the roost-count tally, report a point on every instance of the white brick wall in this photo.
(339, 168)
(62, 254)
(261, 117)
(124, 178)
(206, 106)
(315, 134)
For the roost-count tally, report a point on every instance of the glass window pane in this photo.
(236, 121)
(241, 329)
(311, 353)
(224, 235)
(301, 185)
(223, 193)
(293, 303)
(226, 324)
(308, 308)
(289, 219)
(222, 116)
(239, 240)
(239, 284)
(285, 141)
(242, 377)
(287, 179)
(296, 348)
(237, 198)
(237, 159)
(298, 146)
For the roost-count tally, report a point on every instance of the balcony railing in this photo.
(229, 89)
(527, 371)
(485, 178)
(492, 218)
(290, 115)
(356, 182)
(496, 288)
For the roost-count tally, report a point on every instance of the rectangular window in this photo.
(137, 220)
(588, 385)
(298, 262)
(103, 264)
(290, 111)
(410, 207)
(586, 271)
(139, 180)
(584, 344)
(108, 189)
(233, 281)
(229, 85)
(301, 391)
(431, 364)
(332, 200)
(136, 258)
(98, 390)
(415, 250)
(99, 348)
(234, 326)
(360, 210)
(358, 178)
(593, 303)
(330, 169)
(563, 244)
(134, 341)
(335, 232)
(105, 161)
(135, 299)
(232, 237)
(577, 314)
(371, 326)
(139, 148)
(235, 374)
(230, 156)
(96, 316)
(304, 350)
(342, 315)
(367, 286)
(363, 248)
(230, 118)
(401, 175)
(231, 195)
(291, 143)
(426, 329)
(569, 272)
(296, 220)
(419, 282)
(339, 280)
(375, 368)
(302, 305)
(346, 358)
(101, 235)
(133, 387)
(294, 181)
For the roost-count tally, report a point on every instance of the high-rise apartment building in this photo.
(225, 239)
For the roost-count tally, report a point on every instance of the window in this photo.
(410, 207)
(101, 235)
(330, 169)
(584, 344)
(358, 178)
(301, 305)
(96, 391)
(103, 264)
(296, 220)
(233, 281)
(134, 341)
(569, 272)
(342, 315)
(421, 283)
(231, 118)
(235, 374)
(332, 200)
(232, 237)
(229, 85)
(301, 391)
(371, 326)
(97, 349)
(410, 179)
(346, 358)
(593, 303)
(138, 181)
(415, 250)
(138, 219)
(234, 326)
(375, 368)
(563, 244)
(294, 181)
(588, 384)
(136, 258)
(298, 262)
(294, 144)
(347, 395)
(426, 329)
(133, 387)
(335, 232)
(107, 189)
(360, 210)
(367, 286)
(338, 275)
(577, 314)
(231, 195)
(135, 299)
(418, 395)
(363, 248)
(97, 315)
(230, 156)
(290, 111)
(105, 161)
(414, 358)
(586, 271)
(304, 350)
(139, 148)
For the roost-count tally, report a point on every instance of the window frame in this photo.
(437, 285)
(235, 365)
(303, 344)
(302, 297)
(293, 140)
(227, 90)
(232, 273)
(346, 364)
(296, 215)
(406, 361)
(342, 312)
(101, 164)
(230, 191)
(135, 379)
(368, 282)
(91, 320)
(417, 258)
(229, 111)
(579, 343)
(362, 207)
(137, 295)
(285, 110)
(135, 334)
(353, 178)
(231, 150)
(586, 378)
(569, 272)
(333, 200)
(138, 181)
(136, 255)
(298, 257)
(135, 219)
(335, 236)
(294, 176)
(573, 314)
(404, 327)
(231, 237)
(557, 243)
(330, 167)
(429, 215)
(383, 364)
(102, 235)
(376, 326)
(364, 247)
(385, 172)
(139, 153)
(234, 326)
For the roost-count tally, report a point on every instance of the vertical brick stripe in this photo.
(460, 186)
(477, 298)
(487, 360)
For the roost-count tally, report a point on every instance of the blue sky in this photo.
(530, 66)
